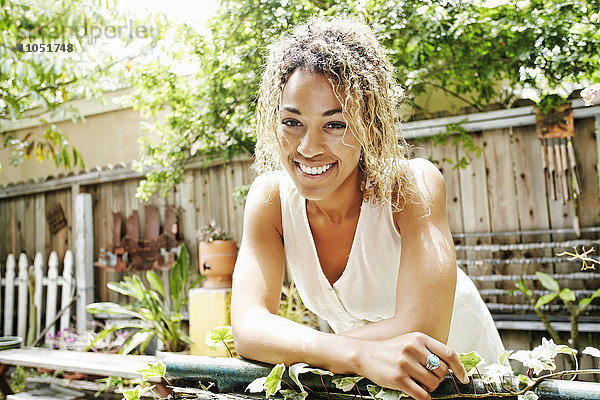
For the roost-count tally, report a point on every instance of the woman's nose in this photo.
(311, 143)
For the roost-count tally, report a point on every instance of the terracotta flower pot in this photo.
(217, 259)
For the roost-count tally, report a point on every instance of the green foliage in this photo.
(465, 50)
(565, 295)
(470, 361)
(33, 83)
(211, 231)
(162, 316)
(273, 381)
(346, 383)
(240, 194)
(220, 336)
(292, 307)
(500, 373)
(461, 137)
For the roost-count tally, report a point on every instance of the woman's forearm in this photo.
(262, 336)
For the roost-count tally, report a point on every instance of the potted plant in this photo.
(161, 315)
(217, 252)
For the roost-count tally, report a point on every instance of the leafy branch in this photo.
(566, 295)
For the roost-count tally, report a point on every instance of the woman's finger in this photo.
(440, 371)
(448, 355)
(411, 388)
(427, 379)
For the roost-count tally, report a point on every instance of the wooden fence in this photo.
(52, 290)
(502, 190)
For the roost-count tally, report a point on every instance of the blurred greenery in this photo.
(53, 52)
(461, 48)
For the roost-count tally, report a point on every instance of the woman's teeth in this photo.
(314, 170)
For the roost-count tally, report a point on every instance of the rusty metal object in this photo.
(154, 250)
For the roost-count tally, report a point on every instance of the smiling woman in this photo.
(362, 229)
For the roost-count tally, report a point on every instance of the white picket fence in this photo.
(24, 278)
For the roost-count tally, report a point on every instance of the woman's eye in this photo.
(336, 125)
(290, 122)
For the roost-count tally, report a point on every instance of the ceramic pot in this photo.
(217, 259)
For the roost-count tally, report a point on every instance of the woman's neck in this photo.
(343, 204)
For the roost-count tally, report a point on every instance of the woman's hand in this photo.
(400, 363)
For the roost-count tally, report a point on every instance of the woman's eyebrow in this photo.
(331, 112)
(325, 114)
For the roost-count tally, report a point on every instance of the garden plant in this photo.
(162, 315)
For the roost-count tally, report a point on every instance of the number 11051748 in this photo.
(45, 47)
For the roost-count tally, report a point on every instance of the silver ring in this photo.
(433, 362)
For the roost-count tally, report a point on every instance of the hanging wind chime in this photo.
(556, 130)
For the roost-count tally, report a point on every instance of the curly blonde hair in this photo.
(349, 55)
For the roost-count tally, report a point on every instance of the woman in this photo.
(362, 230)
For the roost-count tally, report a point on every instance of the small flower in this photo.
(591, 94)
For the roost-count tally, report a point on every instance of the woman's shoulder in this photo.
(266, 186)
(427, 175)
(263, 201)
(429, 188)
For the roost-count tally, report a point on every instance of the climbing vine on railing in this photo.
(498, 378)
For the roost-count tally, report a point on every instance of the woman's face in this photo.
(318, 151)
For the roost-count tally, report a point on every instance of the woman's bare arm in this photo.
(427, 275)
(259, 333)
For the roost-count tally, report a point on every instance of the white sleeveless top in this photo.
(366, 290)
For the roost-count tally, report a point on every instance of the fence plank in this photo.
(84, 254)
(38, 268)
(23, 291)
(187, 221)
(51, 292)
(9, 295)
(532, 195)
(454, 211)
(19, 220)
(587, 160)
(40, 225)
(29, 224)
(118, 205)
(67, 290)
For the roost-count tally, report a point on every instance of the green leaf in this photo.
(545, 299)
(567, 294)
(216, 337)
(470, 361)
(111, 308)
(564, 349)
(346, 383)
(547, 281)
(133, 394)
(273, 381)
(157, 369)
(525, 379)
(137, 392)
(257, 385)
(373, 390)
(528, 396)
(155, 282)
(301, 368)
(138, 338)
(522, 286)
(504, 356)
(289, 394)
(390, 394)
(585, 302)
